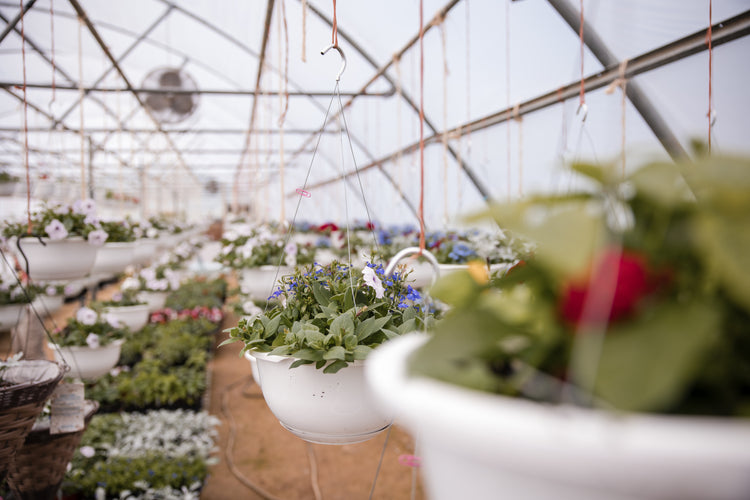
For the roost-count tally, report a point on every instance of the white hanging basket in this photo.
(134, 317)
(324, 408)
(64, 259)
(89, 363)
(253, 367)
(446, 269)
(113, 258)
(9, 315)
(484, 446)
(259, 281)
(145, 250)
(47, 304)
(154, 300)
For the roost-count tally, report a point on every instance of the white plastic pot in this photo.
(483, 446)
(145, 249)
(253, 367)
(446, 269)
(154, 300)
(134, 317)
(47, 304)
(320, 407)
(260, 282)
(89, 363)
(113, 258)
(9, 315)
(65, 259)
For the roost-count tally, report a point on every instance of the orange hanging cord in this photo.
(334, 30)
(421, 127)
(25, 126)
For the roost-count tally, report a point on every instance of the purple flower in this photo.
(87, 206)
(86, 315)
(56, 230)
(98, 237)
(113, 321)
(92, 340)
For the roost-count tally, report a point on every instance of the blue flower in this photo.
(412, 294)
(402, 305)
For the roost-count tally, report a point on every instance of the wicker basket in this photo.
(41, 462)
(21, 402)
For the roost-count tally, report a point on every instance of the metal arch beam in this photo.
(635, 93)
(11, 25)
(382, 72)
(92, 29)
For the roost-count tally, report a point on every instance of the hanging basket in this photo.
(30, 384)
(134, 317)
(324, 408)
(154, 300)
(89, 363)
(41, 462)
(64, 259)
(113, 258)
(259, 282)
(47, 305)
(9, 315)
(145, 249)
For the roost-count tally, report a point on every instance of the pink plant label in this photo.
(304, 193)
(410, 460)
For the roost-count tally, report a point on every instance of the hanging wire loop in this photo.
(343, 59)
(417, 251)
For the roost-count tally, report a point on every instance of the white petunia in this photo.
(92, 340)
(86, 315)
(130, 284)
(98, 237)
(87, 206)
(373, 281)
(113, 321)
(87, 451)
(56, 230)
(148, 274)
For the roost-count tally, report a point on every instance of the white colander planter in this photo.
(134, 317)
(259, 281)
(90, 363)
(113, 258)
(320, 407)
(483, 446)
(64, 259)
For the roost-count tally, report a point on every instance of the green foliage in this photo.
(638, 292)
(332, 315)
(263, 249)
(198, 292)
(78, 330)
(118, 231)
(123, 298)
(75, 218)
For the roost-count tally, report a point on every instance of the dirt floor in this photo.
(270, 460)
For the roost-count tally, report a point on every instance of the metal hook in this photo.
(343, 58)
(583, 107)
(418, 251)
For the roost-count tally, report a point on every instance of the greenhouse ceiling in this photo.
(195, 106)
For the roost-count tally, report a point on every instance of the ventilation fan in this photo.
(165, 106)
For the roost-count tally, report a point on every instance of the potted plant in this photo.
(49, 298)
(153, 285)
(60, 242)
(119, 249)
(613, 363)
(261, 257)
(90, 343)
(146, 242)
(454, 250)
(127, 308)
(311, 347)
(14, 296)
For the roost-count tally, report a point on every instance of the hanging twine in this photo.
(81, 97)
(709, 36)
(282, 112)
(441, 25)
(27, 168)
(285, 78)
(421, 126)
(622, 83)
(508, 180)
(52, 46)
(399, 134)
(334, 28)
(304, 30)
(519, 120)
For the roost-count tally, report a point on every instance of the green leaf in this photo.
(390, 333)
(335, 366)
(350, 341)
(342, 325)
(314, 338)
(322, 295)
(335, 352)
(663, 184)
(648, 363)
(370, 326)
(362, 351)
(282, 350)
(230, 340)
(603, 174)
(407, 326)
(300, 362)
(308, 354)
(457, 289)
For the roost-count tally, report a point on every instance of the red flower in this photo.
(370, 226)
(621, 279)
(328, 226)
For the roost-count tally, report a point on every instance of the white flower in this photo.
(98, 237)
(249, 308)
(92, 340)
(158, 285)
(70, 289)
(151, 232)
(113, 321)
(87, 206)
(50, 290)
(87, 451)
(373, 281)
(230, 235)
(130, 284)
(172, 278)
(56, 230)
(86, 315)
(148, 274)
(246, 250)
(91, 219)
